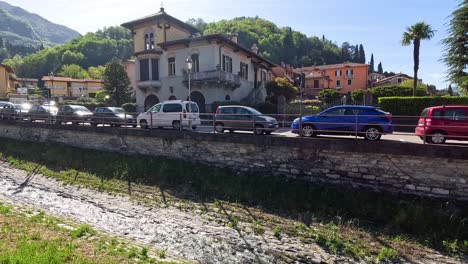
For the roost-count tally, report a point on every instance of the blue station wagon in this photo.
(365, 121)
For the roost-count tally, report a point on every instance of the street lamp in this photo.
(189, 62)
(51, 77)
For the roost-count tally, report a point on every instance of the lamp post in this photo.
(189, 62)
(51, 77)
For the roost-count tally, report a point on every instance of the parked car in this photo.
(114, 116)
(237, 117)
(365, 121)
(75, 114)
(46, 113)
(172, 113)
(14, 111)
(439, 123)
(2, 103)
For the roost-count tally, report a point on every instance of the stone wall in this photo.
(438, 171)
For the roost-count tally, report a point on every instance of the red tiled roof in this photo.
(68, 79)
(331, 66)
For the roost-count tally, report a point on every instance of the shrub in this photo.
(215, 104)
(329, 96)
(387, 91)
(280, 86)
(129, 107)
(412, 106)
(267, 108)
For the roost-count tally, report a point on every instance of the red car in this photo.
(440, 123)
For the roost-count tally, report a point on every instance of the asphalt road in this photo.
(286, 132)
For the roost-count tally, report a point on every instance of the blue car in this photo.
(365, 121)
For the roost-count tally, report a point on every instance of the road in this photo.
(286, 132)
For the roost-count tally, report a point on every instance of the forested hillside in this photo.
(92, 49)
(284, 44)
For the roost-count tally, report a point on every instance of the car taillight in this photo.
(388, 117)
(185, 113)
(428, 122)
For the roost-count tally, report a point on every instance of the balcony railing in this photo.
(214, 76)
(349, 76)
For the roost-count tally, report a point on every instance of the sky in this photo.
(377, 24)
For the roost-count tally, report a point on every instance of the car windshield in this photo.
(80, 108)
(194, 108)
(254, 111)
(117, 110)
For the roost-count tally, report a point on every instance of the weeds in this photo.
(257, 227)
(277, 232)
(162, 254)
(83, 230)
(386, 254)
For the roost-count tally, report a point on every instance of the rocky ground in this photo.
(181, 233)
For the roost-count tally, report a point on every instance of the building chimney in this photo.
(234, 37)
(254, 48)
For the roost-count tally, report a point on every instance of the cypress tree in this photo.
(116, 83)
(362, 54)
(379, 68)
(371, 64)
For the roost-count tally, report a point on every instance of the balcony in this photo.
(349, 76)
(215, 76)
(149, 84)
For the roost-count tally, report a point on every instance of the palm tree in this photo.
(416, 33)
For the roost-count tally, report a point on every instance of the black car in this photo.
(47, 113)
(74, 113)
(14, 111)
(114, 116)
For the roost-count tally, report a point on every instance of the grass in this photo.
(27, 237)
(154, 181)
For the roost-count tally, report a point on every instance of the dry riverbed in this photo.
(217, 232)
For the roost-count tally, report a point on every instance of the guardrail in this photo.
(367, 126)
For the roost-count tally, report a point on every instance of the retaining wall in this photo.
(428, 170)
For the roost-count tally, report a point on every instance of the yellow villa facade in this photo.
(69, 87)
(7, 81)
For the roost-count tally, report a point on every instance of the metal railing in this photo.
(428, 130)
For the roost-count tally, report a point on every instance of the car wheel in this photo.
(258, 130)
(94, 124)
(437, 137)
(308, 130)
(231, 131)
(268, 132)
(134, 126)
(176, 125)
(75, 123)
(219, 128)
(372, 133)
(194, 127)
(143, 124)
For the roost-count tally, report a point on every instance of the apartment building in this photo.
(345, 77)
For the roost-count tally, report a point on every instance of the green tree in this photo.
(116, 83)
(1, 43)
(356, 55)
(415, 34)
(371, 64)
(197, 23)
(379, 68)
(280, 86)
(96, 72)
(329, 96)
(4, 54)
(450, 90)
(346, 51)
(70, 57)
(362, 54)
(73, 71)
(456, 48)
(14, 62)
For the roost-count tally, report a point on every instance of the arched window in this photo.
(227, 98)
(151, 41)
(147, 45)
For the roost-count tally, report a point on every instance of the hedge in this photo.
(413, 106)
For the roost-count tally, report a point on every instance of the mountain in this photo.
(20, 27)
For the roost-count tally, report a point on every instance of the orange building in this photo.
(344, 77)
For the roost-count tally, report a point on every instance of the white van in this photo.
(171, 114)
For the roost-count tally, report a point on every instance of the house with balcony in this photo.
(72, 88)
(223, 70)
(7, 81)
(396, 79)
(345, 77)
